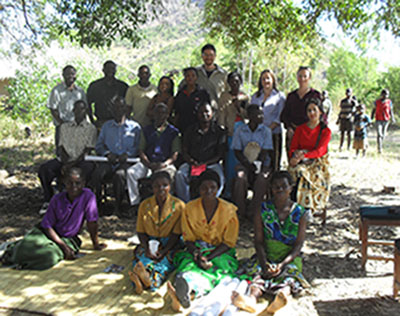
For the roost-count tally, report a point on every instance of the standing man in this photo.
(101, 91)
(139, 96)
(383, 112)
(119, 140)
(211, 77)
(345, 118)
(62, 99)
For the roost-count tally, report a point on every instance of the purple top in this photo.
(66, 218)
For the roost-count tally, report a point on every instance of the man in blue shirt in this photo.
(119, 140)
(252, 145)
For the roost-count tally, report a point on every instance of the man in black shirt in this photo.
(101, 91)
(204, 146)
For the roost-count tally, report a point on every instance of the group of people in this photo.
(352, 116)
(208, 141)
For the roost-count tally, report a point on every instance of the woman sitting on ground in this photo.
(56, 237)
(159, 219)
(165, 95)
(308, 162)
(280, 229)
(210, 230)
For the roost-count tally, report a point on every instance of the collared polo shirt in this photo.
(67, 217)
(75, 138)
(119, 138)
(62, 99)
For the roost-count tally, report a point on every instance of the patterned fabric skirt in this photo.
(203, 281)
(314, 183)
(159, 270)
(290, 276)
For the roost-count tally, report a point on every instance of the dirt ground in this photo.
(332, 260)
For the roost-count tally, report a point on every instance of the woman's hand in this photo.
(69, 253)
(203, 263)
(273, 270)
(150, 255)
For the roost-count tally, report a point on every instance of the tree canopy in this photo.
(97, 23)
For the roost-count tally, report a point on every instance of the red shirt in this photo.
(382, 111)
(305, 138)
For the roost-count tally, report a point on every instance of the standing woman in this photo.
(308, 162)
(294, 112)
(232, 106)
(272, 102)
(164, 95)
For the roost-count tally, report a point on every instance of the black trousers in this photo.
(52, 169)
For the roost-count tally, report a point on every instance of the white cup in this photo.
(153, 246)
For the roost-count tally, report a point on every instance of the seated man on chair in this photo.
(56, 237)
(118, 140)
(251, 143)
(159, 147)
(204, 146)
(77, 138)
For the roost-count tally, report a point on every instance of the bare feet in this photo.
(244, 302)
(176, 306)
(135, 279)
(143, 274)
(279, 301)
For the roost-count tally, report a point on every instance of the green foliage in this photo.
(107, 20)
(242, 22)
(348, 70)
(28, 93)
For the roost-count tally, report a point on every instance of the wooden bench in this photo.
(376, 216)
(396, 277)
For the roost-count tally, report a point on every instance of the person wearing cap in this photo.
(210, 229)
(159, 147)
(345, 118)
(383, 113)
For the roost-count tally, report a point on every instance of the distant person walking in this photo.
(383, 113)
(361, 123)
(326, 104)
(345, 118)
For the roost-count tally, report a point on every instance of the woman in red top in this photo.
(294, 112)
(309, 159)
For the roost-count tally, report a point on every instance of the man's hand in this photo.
(112, 158)
(123, 158)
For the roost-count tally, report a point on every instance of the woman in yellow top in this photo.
(159, 220)
(210, 229)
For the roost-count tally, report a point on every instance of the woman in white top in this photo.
(272, 102)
